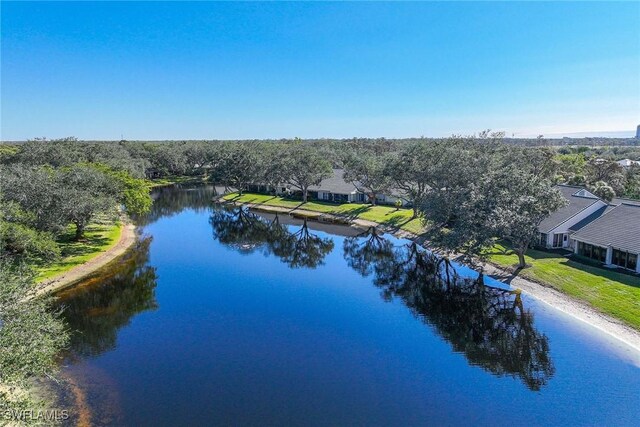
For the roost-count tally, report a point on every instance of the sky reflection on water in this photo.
(225, 317)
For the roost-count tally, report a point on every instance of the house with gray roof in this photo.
(336, 189)
(556, 229)
(333, 189)
(590, 227)
(613, 238)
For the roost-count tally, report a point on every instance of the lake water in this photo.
(223, 317)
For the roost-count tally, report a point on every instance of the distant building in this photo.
(627, 163)
(638, 132)
(335, 189)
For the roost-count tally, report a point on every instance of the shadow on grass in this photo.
(620, 276)
(397, 221)
(508, 277)
(624, 277)
(256, 201)
(355, 212)
(531, 253)
(85, 246)
(95, 239)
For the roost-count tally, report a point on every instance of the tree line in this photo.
(44, 192)
(469, 191)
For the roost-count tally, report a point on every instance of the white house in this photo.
(590, 227)
(557, 227)
(336, 189)
(627, 163)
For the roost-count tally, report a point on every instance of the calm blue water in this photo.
(218, 320)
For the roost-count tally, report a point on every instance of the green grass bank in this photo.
(385, 215)
(98, 238)
(611, 292)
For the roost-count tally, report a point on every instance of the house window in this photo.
(340, 198)
(624, 259)
(557, 240)
(591, 251)
(543, 240)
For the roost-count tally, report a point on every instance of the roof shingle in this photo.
(335, 184)
(575, 204)
(619, 227)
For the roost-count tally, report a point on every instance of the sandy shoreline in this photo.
(573, 307)
(76, 274)
(69, 278)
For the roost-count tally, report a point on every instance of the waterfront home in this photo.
(590, 227)
(335, 189)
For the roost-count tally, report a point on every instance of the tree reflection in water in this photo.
(247, 232)
(488, 325)
(171, 200)
(97, 308)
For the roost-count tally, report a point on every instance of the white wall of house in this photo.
(328, 196)
(563, 229)
(356, 197)
(565, 240)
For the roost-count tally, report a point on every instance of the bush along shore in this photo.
(58, 222)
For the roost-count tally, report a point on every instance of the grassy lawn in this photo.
(386, 215)
(99, 237)
(176, 179)
(613, 293)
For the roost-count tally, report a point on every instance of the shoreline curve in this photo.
(71, 277)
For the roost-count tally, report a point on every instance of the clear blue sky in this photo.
(272, 70)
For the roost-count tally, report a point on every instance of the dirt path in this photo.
(577, 309)
(71, 277)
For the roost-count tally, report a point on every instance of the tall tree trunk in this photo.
(305, 194)
(480, 280)
(521, 261)
(372, 198)
(415, 211)
(79, 230)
